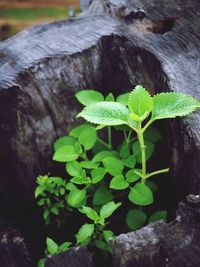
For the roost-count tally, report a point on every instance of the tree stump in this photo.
(148, 42)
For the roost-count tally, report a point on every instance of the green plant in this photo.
(100, 171)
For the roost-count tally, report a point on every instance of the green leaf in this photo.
(103, 245)
(75, 197)
(106, 113)
(89, 164)
(140, 101)
(104, 154)
(74, 168)
(108, 209)
(90, 213)
(97, 175)
(64, 141)
(131, 176)
(110, 97)
(52, 247)
(88, 97)
(171, 105)
(152, 135)
(140, 194)
(88, 137)
(85, 232)
(107, 234)
(152, 186)
(137, 152)
(113, 166)
(129, 162)
(123, 99)
(41, 262)
(158, 215)
(135, 219)
(124, 151)
(64, 247)
(80, 180)
(118, 183)
(65, 154)
(102, 196)
(39, 190)
(70, 186)
(75, 132)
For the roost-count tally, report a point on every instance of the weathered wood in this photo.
(13, 251)
(175, 244)
(74, 257)
(43, 66)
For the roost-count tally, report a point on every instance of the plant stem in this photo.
(142, 147)
(157, 172)
(109, 137)
(104, 143)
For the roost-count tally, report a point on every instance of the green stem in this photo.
(142, 147)
(109, 137)
(157, 172)
(147, 125)
(104, 143)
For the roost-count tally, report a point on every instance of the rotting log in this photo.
(142, 42)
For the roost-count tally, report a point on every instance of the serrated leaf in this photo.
(108, 209)
(123, 99)
(75, 197)
(158, 215)
(74, 168)
(129, 162)
(97, 175)
(104, 154)
(140, 194)
(149, 149)
(88, 137)
(52, 247)
(106, 113)
(171, 105)
(65, 154)
(131, 176)
(113, 166)
(102, 196)
(75, 132)
(118, 183)
(140, 101)
(88, 97)
(152, 135)
(64, 141)
(84, 233)
(135, 219)
(90, 213)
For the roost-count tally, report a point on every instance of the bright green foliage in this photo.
(140, 194)
(99, 171)
(87, 97)
(171, 105)
(105, 113)
(140, 102)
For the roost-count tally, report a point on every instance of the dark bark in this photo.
(13, 251)
(41, 69)
(74, 257)
(175, 244)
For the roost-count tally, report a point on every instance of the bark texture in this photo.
(175, 244)
(13, 251)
